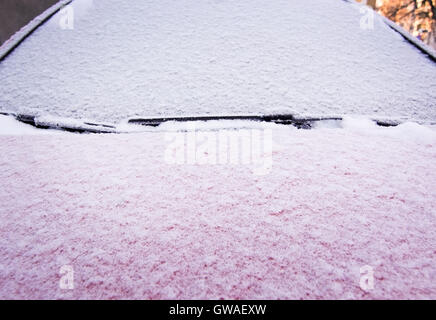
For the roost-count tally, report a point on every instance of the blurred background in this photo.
(416, 16)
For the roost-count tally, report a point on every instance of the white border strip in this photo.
(25, 31)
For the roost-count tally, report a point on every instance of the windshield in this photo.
(113, 60)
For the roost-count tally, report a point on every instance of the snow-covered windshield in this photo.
(124, 59)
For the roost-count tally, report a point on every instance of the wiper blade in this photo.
(285, 119)
(63, 124)
(77, 126)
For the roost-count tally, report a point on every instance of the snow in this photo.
(133, 226)
(161, 57)
(408, 130)
(10, 126)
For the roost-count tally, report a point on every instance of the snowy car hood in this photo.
(146, 59)
(134, 225)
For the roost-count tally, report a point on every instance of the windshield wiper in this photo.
(63, 124)
(73, 125)
(285, 119)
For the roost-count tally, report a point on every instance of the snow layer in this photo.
(133, 226)
(10, 126)
(161, 57)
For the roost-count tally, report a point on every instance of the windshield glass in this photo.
(113, 60)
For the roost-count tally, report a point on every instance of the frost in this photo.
(143, 59)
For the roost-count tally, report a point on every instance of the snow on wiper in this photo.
(86, 126)
(284, 119)
(70, 125)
